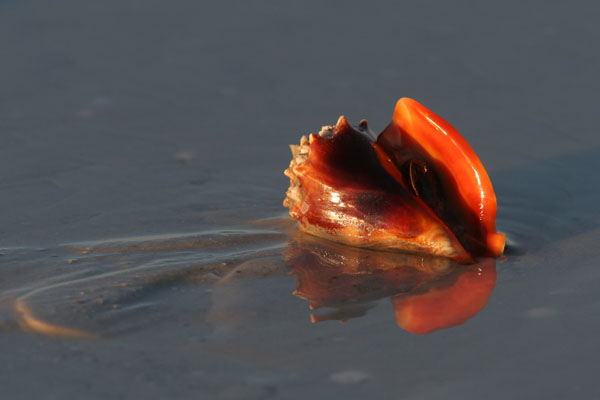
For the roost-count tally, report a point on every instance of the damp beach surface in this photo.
(144, 250)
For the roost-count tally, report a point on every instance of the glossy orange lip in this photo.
(419, 187)
(416, 132)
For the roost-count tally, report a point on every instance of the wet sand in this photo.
(144, 248)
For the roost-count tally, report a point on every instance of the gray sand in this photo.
(143, 239)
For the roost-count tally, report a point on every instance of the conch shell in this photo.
(418, 187)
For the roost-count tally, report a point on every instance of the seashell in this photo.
(418, 187)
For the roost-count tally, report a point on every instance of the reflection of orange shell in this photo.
(329, 275)
(428, 293)
(419, 187)
(446, 306)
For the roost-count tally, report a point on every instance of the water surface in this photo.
(144, 248)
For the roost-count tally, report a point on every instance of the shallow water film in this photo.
(144, 249)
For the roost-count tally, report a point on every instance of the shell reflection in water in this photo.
(428, 293)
